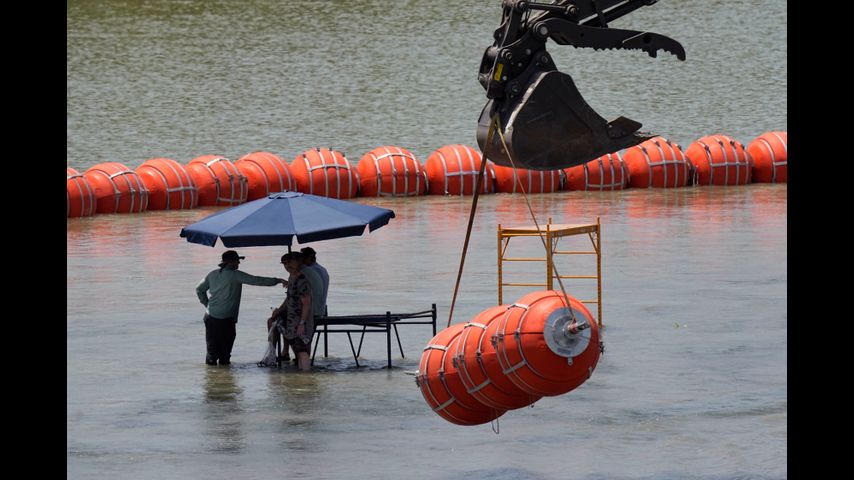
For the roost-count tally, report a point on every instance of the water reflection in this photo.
(223, 411)
(296, 399)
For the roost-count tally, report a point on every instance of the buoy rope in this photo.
(475, 196)
(497, 127)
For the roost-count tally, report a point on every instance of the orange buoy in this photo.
(219, 182)
(169, 185)
(391, 172)
(658, 163)
(453, 170)
(769, 152)
(80, 198)
(533, 181)
(607, 172)
(439, 381)
(719, 160)
(266, 173)
(543, 348)
(478, 364)
(325, 172)
(117, 188)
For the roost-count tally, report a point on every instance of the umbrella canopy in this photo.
(276, 219)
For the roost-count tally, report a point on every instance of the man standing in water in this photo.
(310, 260)
(221, 308)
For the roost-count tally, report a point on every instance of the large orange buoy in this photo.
(169, 185)
(533, 181)
(80, 198)
(478, 364)
(219, 182)
(453, 170)
(391, 172)
(439, 381)
(542, 348)
(607, 172)
(658, 163)
(267, 173)
(325, 172)
(118, 189)
(769, 152)
(719, 160)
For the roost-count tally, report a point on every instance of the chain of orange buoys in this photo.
(472, 373)
(390, 171)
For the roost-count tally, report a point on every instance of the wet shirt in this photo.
(324, 275)
(226, 286)
(317, 306)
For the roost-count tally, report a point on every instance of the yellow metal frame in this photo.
(552, 232)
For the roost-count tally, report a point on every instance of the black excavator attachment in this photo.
(545, 122)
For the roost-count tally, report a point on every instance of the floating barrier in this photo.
(533, 181)
(657, 163)
(220, 183)
(607, 172)
(266, 173)
(80, 198)
(719, 160)
(480, 371)
(440, 383)
(542, 349)
(169, 185)
(117, 188)
(453, 170)
(325, 172)
(391, 172)
(769, 152)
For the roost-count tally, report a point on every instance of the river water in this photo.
(693, 380)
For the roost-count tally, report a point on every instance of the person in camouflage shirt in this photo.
(294, 315)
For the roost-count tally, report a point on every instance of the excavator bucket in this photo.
(549, 126)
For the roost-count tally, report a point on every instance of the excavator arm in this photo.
(545, 122)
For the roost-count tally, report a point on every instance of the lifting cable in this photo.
(475, 196)
(493, 126)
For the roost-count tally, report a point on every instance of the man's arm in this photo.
(279, 310)
(248, 279)
(306, 308)
(202, 291)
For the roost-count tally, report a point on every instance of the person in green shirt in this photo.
(223, 304)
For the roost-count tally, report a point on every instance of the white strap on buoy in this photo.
(774, 162)
(394, 174)
(80, 184)
(737, 161)
(614, 182)
(242, 182)
(445, 405)
(478, 387)
(140, 188)
(678, 160)
(182, 187)
(463, 173)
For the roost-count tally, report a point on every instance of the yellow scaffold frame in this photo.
(552, 233)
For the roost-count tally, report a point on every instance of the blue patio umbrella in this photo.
(276, 219)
